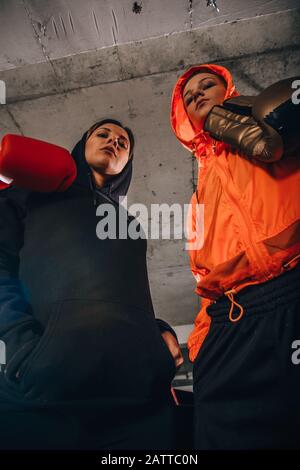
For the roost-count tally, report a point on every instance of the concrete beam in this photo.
(172, 52)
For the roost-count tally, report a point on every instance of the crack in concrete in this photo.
(63, 24)
(40, 42)
(96, 23)
(71, 21)
(115, 21)
(250, 81)
(190, 10)
(12, 117)
(55, 28)
(114, 36)
(260, 11)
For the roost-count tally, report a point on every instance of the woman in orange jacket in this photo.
(244, 344)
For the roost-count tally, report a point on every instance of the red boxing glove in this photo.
(36, 165)
(3, 185)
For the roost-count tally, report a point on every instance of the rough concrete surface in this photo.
(69, 63)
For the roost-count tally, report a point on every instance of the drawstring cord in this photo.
(230, 296)
(174, 396)
(285, 266)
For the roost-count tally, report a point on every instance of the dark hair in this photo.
(117, 123)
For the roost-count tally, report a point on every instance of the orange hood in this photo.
(180, 122)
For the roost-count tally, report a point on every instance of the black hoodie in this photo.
(85, 324)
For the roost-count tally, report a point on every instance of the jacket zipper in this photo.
(245, 225)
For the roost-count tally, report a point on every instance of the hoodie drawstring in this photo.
(230, 295)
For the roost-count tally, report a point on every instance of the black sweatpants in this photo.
(247, 374)
(85, 426)
(88, 384)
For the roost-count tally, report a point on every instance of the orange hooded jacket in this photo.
(251, 214)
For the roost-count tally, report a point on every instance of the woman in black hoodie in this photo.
(86, 364)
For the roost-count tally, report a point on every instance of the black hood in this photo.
(116, 187)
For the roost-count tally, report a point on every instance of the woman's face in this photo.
(107, 149)
(200, 94)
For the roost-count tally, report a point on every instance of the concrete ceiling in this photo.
(34, 31)
(69, 63)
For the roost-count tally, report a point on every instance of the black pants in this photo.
(86, 426)
(98, 377)
(117, 397)
(246, 375)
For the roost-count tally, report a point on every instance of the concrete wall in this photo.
(60, 80)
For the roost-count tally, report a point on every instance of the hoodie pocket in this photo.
(32, 344)
(23, 367)
(93, 349)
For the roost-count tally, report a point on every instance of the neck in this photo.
(99, 179)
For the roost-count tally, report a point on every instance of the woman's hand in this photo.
(174, 348)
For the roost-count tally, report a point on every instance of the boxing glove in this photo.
(262, 127)
(36, 165)
(3, 184)
(276, 112)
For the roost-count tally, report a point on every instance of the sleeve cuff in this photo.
(164, 326)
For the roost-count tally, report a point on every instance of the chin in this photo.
(112, 171)
(205, 110)
(103, 162)
(201, 117)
